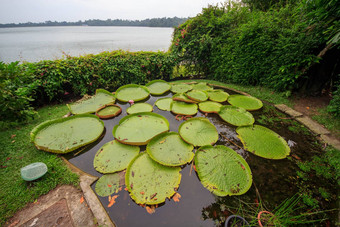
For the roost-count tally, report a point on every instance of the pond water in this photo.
(273, 180)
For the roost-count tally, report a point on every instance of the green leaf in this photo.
(169, 149)
(150, 182)
(108, 111)
(236, 116)
(164, 103)
(67, 134)
(132, 92)
(183, 108)
(222, 171)
(218, 95)
(197, 95)
(139, 107)
(180, 88)
(209, 107)
(140, 128)
(263, 142)
(114, 156)
(182, 98)
(158, 87)
(201, 86)
(198, 131)
(246, 102)
(108, 184)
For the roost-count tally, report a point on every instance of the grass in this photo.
(330, 122)
(17, 151)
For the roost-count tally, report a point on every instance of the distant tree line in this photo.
(154, 22)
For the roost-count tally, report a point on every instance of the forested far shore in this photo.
(153, 22)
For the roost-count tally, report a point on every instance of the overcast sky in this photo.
(16, 11)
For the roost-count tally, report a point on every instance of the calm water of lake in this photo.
(42, 43)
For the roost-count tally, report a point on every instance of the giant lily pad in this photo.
(164, 103)
(209, 107)
(170, 150)
(132, 92)
(150, 182)
(158, 87)
(198, 131)
(91, 104)
(218, 95)
(108, 111)
(67, 134)
(183, 108)
(246, 102)
(182, 98)
(114, 156)
(236, 116)
(180, 88)
(108, 184)
(202, 86)
(140, 128)
(139, 107)
(263, 142)
(197, 95)
(222, 171)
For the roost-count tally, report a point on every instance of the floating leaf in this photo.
(263, 142)
(198, 131)
(209, 107)
(101, 98)
(182, 98)
(140, 128)
(222, 171)
(183, 108)
(139, 107)
(180, 88)
(218, 95)
(108, 111)
(132, 92)
(246, 102)
(114, 156)
(163, 103)
(150, 182)
(236, 116)
(108, 184)
(202, 86)
(170, 150)
(158, 87)
(67, 134)
(197, 95)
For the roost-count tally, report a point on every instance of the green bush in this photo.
(334, 105)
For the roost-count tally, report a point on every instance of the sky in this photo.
(21, 11)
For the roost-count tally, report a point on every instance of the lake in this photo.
(48, 43)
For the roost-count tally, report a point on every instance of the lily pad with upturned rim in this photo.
(183, 108)
(198, 131)
(108, 111)
(202, 86)
(180, 88)
(139, 107)
(140, 128)
(114, 156)
(133, 92)
(263, 142)
(218, 95)
(169, 149)
(182, 98)
(209, 107)
(246, 102)
(222, 171)
(197, 95)
(150, 182)
(108, 184)
(164, 103)
(236, 116)
(67, 134)
(91, 105)
(158, 87)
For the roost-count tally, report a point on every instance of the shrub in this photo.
(334, 105)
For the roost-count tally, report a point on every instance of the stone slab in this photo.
(288, 110)
(313, 126)
(331, 141)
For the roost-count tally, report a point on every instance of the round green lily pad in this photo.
(180, 88)
(150, 182)
(198, 131)
(164, 103)
(202, 86)
(263, 142)
(236, 116)
(33, 171)
(114, 156)
(108, 184)
(67, 134)
(183, 108)
(158, 87)
(108, 111)
(246, 102)
(133, 92)
(169, 149)
(139, 107)
(222, 171)
(218, 95)
(209, 107)
(197, 95)
(182, 98)
(90, 105)
(140, 128)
